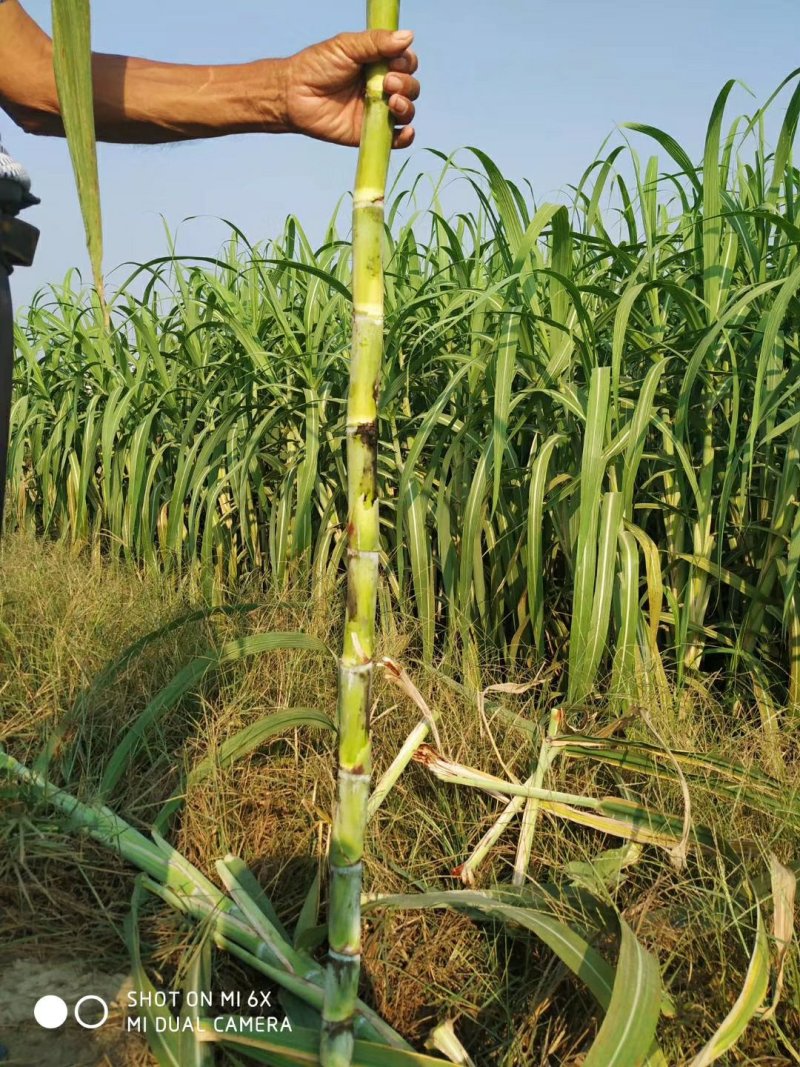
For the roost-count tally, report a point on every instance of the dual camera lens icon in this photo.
(90, 1012)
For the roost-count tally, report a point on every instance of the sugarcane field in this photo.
(400, 546)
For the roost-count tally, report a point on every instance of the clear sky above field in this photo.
(538, 84)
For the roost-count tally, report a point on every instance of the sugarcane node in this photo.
(334, 1029)
(368, 433)
(355, 553)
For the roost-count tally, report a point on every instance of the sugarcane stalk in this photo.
(363, 532)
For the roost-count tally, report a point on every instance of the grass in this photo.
(64, 616)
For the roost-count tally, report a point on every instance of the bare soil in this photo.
(23, 1043)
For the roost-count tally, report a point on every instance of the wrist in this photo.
(270, 95)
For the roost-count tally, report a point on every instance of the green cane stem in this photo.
(356, 664)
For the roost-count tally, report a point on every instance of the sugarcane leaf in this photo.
(670, 145)
(419, 547)
(722, 777)
(610, 520)
(785, 140)
(308, 477)
(114, 669)
(560, 274)
(249, 884)
(231, 872)
(641, 754)
(251, 737)
(198, 979)
(508, 209)
(638, 433)
(72, 66)
(443, 1039)
(301, 1046)
(309, 913)
(570, 946)
(429, 423)
(722, 574)
(783, 882)
(712, 208)
(626, 1034)
(754, 990)
(603, 871)
(186, 872)
(627, 613)
(535, 559)
(655, 584)
(471, 539)
(637, 825)
(299, 1011)
(772, 326)
(165, 1046)
(592, 474)
(506, 364)
(186, 680)
(167, 697)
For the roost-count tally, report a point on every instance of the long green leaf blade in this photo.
(626, 1034)
(72, 65)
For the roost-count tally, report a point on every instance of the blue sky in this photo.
(538, 84)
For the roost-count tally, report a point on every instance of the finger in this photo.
(402, 109)
(408, 62)
(402, 84)
(373, 45)
(404, 137)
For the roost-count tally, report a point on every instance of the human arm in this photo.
(317, 92)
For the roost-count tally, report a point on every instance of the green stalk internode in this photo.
(363, 533)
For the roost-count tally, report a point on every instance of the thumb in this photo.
(374, 45)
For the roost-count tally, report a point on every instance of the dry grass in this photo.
(63, 618)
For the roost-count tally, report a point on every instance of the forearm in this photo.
(138, 101)
(142, 102)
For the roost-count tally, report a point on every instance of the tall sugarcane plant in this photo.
(363, 532)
